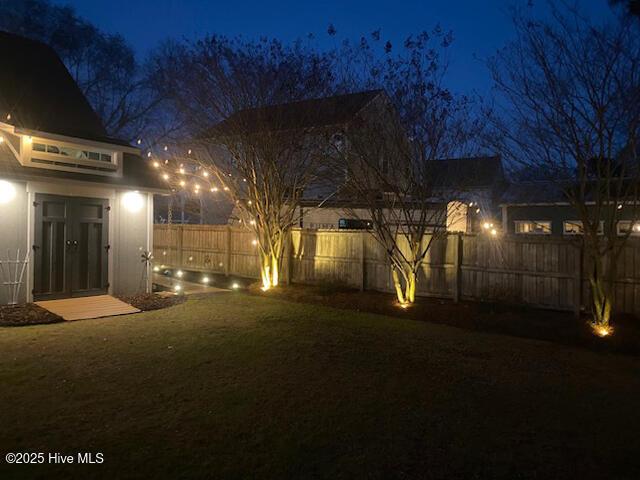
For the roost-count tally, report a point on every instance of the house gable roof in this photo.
(317, 112)
(471, 172)
(39, 94)
(533, 193)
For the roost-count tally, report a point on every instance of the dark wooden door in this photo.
(71, 247)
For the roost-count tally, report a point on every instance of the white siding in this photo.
(13, 235)
(132, 236)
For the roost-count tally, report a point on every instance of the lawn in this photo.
(234, 385)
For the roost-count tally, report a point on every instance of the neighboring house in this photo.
(478, 182)
(541, 208)
(79, 203)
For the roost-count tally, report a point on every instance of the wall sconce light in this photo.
(7, 191)
(133, 201)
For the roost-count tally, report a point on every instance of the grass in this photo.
(238, 386)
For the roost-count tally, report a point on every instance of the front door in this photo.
(70, 247)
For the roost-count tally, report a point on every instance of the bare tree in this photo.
(391, 156)
(103, 65)
(571, 109)
(258, 153)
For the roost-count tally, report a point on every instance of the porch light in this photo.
(133, 201)
(7, 191)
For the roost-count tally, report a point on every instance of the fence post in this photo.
(362, 260)
(457, 268)
(179, 240)
(577, 287)
(227, 256)
(286, 260)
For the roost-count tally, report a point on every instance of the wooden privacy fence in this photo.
(545, 272)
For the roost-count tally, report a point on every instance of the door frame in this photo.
(69, 188)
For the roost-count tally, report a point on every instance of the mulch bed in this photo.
(153, 301)
(26, 314)
(540, 324)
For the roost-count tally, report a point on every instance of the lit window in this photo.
(71, 152)
(533, 227)
(625, 225)
(574, 227)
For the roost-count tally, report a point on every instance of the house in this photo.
(541, 208)
(74, 203)
(326, 205)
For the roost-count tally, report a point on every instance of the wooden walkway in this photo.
(79, 308)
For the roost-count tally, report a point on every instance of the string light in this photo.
(149, 154)
(156, 164)
(214, 189)
(166, 148)
(165, 176)
(182, 183)
(8, 116)
(1, 139)
(139, 141)
(205, 174)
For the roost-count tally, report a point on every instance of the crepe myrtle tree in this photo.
(390, 156)
(257, 154)
(572, 110)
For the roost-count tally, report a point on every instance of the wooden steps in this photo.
(79, 308)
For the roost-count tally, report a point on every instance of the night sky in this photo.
(479, 26)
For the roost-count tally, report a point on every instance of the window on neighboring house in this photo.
(354, 224)
(384, 165)
(625, 225)
(533, 227)
(574, 227)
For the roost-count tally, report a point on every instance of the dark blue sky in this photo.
(479, 26)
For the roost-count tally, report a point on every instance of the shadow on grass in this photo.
(554, 326)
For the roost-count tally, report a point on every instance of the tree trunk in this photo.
(600, 281)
